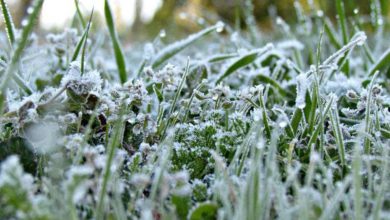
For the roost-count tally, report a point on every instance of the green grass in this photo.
(223, 124)
(120, 60)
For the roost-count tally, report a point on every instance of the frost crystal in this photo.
(81, 84)
(302, 86)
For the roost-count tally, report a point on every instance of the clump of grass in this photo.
(236, 127)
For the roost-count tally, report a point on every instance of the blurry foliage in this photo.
(170, 16)
(229, 9)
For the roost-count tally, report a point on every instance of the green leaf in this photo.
(296, 119)
(204, 211)
(182, 204)
(120, 60)
(158, 92)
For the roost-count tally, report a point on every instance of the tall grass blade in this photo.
(9, 24)
(177, 94)
(314, 136)
(357, 183)
(79, 45)
(367, 120)
(85, 42)
(79, 15)
(343, 23)
(265, 116)
(331, 34)
(82, 39)
(120, 60)
(113, 144)
(335, 121)
(381, 64)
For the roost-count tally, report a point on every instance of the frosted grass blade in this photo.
(335, 121)
(174, 48)
(314, 136)
(19, 48)
(358, 39)
(172, 108)
(367, 123)
(243, 61)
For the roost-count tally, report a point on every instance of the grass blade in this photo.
(79, 15)
(358, 39)
(19, 48)
(120, 60)
(177, 94)
(330, 32)
(114, 142)
(174, 48)
(9, 24)
(243, 61)
(368, 124)
(273, 83)
(79, 45)
(82, 39)
(264, 115)
(335, 121)
(382, 63)
(341, 13)
(314, 136)
(357, 183)
(221, 57)
(85, 42)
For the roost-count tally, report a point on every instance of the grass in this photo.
(224, 124)
(120, 60)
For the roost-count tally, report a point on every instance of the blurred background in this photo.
(140, 19)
